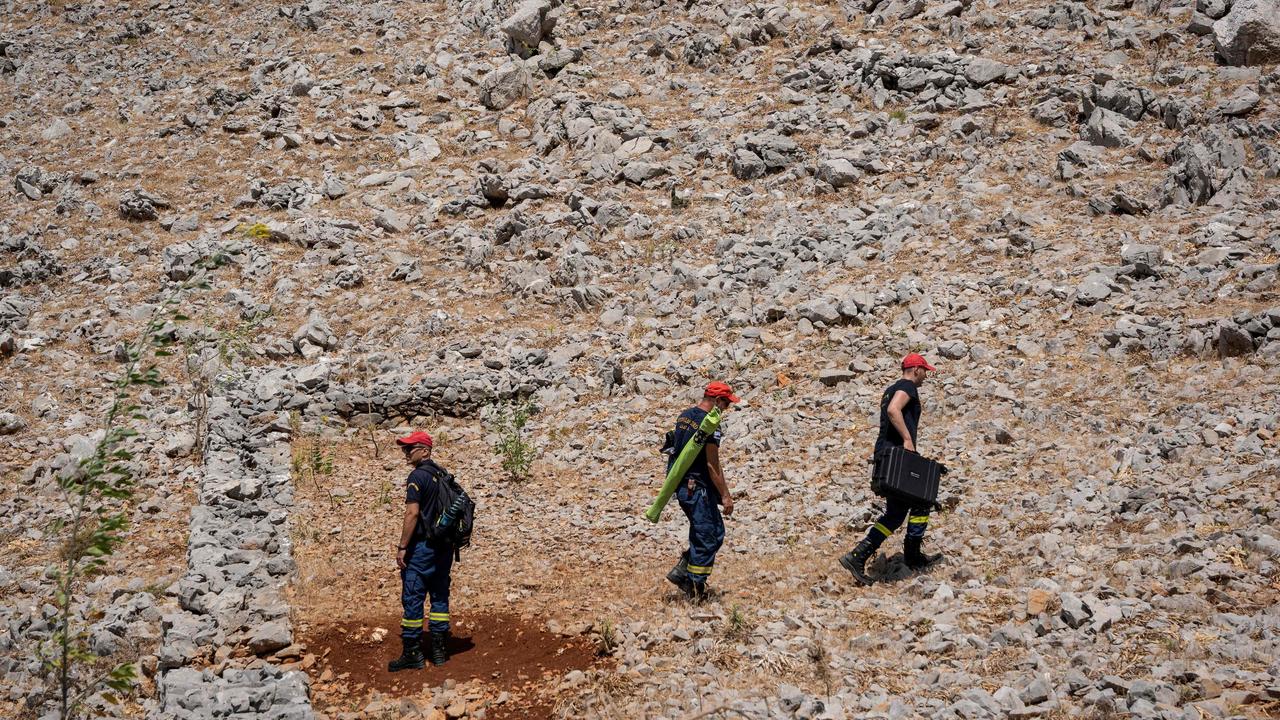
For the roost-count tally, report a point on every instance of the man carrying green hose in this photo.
(701, 493)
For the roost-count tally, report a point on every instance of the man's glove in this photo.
(942, 469)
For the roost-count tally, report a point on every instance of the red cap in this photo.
(915, 360)
(416, 438)
(718, 389)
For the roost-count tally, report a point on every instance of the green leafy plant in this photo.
(508, 421)
(320, 460)
(737, 626)
(607, 640)
(98, 493)
(310, 460)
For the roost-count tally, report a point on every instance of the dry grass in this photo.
(343, 540)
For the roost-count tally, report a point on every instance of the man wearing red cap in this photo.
(701, 494)
(899, 418)
(424, 568)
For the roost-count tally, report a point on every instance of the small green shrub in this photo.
(607, 639)
(311, 460)
(507, 421)
(99, 494)
(737, 626)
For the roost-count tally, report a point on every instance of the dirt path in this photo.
(503, 657)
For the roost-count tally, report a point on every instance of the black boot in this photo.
(426, 643)
(855, 561)
(679, 576)
(912, 556)
(410, 659)
(697, 592)
(438, 652)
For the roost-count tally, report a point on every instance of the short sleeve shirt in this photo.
(420, 485)
(686, 425)
(420, 480)
(889, 435)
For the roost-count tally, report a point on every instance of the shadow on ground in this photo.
(505, 652)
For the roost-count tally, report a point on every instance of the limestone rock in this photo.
(504, 85)
(1250, 33)
(531, 22)
(269, 637)
(837, 172)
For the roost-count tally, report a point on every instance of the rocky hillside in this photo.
(375, 214)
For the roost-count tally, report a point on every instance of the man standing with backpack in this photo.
(701, 494)
(424, 562)
(899, 418)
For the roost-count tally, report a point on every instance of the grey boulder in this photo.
(1233, 342)
(982, 71)
(1144, 258)
(504, 85)
(747, 165)
(10, 423)
(1250, 33)
(1093, 289)
(141, 205)
(531, 22)
(1108, 129)
(835, 376)
(837, 172)
(269, 637)
(314, 337)
(1241, 103)
(391, 221)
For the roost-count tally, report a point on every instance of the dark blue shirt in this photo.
(421, 486)
(686, 425)
(889, 436)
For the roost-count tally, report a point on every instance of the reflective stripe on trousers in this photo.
(706, 530)
(426, 573)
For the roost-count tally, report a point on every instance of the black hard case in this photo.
(905, 475)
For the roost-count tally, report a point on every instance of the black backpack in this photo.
(448, 515)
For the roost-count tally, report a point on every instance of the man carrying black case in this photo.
(899, 419)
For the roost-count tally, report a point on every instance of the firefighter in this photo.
(424, 567)
(899, 419)
(702, 494)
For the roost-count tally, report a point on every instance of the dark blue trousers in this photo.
(706, 529)
(426, 573)
(895, 512)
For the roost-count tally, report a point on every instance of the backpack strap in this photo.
(438, 473)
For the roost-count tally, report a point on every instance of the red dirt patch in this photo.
(504, 652)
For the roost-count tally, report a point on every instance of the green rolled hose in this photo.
(706, 429)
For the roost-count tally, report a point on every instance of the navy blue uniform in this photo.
(895, 510)
(701, 504)
(427, 566)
